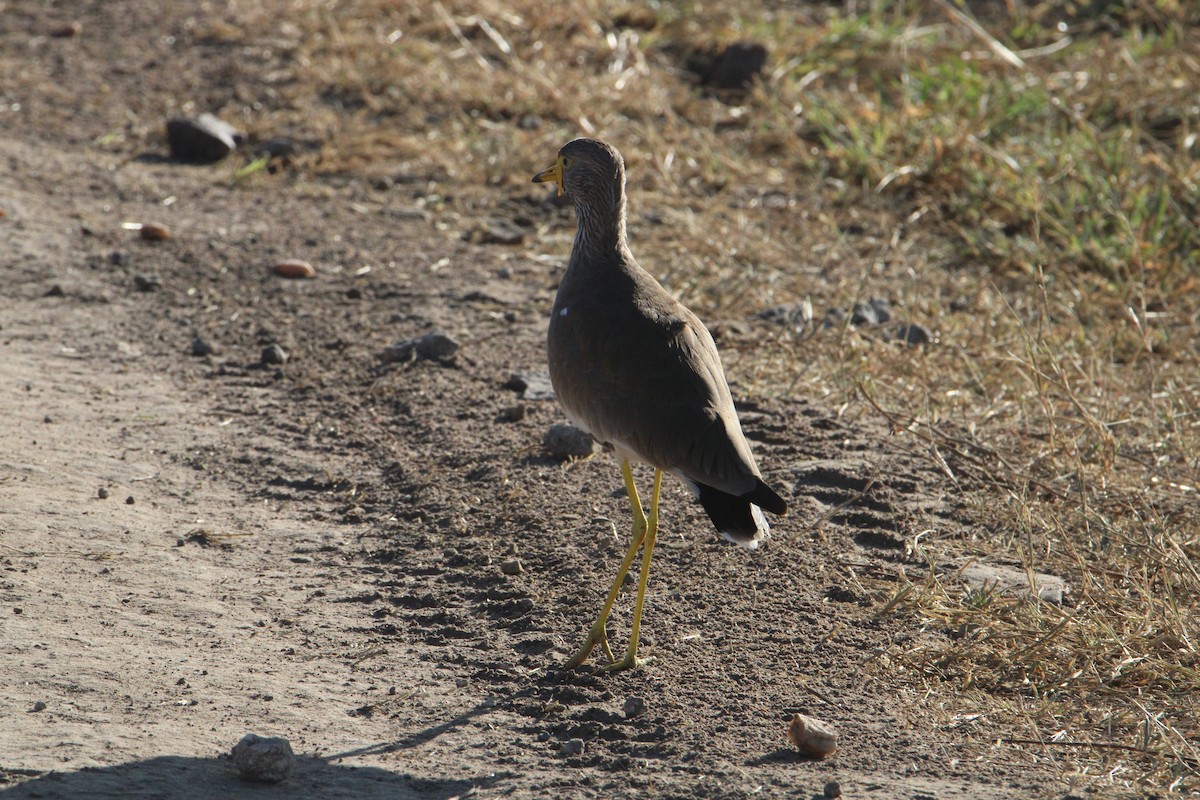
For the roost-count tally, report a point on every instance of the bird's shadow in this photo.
(416, 739)
(196, 778)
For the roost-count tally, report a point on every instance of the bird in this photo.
(636, 369)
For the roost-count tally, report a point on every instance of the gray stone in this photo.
(813, 737)
(436, 346)
(634, 707)
(565, 440)
(533, 385)
(571, 747)
(265, 760)
(146, 283)
(1013, 582)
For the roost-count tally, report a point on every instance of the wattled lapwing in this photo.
(640, 372)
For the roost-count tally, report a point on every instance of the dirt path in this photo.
(146, 632)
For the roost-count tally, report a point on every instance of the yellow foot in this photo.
(596, 636)
(630, 661)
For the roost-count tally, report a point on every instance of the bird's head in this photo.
(590, 172)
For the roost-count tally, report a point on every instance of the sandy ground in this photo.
(315, 551)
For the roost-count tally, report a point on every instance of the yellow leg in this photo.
(598, 635)
(630, 660)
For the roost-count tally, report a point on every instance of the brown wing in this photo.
(641, 372)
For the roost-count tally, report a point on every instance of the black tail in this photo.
(733, 515)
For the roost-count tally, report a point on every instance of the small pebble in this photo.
(811, 736)
(295, 268)
(48, 419)
(38, 706)
(797, 315)
(511, 567)
(775, 199)
(533, 385)
(201, 347)
(129, 500)
(151, 232)
(833, 789)
(565, 440)
(496, 231)
(102, 493)
(914, 334)
(67, 30)
(514, 413)
(571, 747)
(634, 707)
(261, 759)
(436, 346)
(119, 258)
(274, 354)
(146, 283)
(54, 291)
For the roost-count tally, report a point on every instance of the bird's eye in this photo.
(566, 163)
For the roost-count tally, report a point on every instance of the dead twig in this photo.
(1006, 55)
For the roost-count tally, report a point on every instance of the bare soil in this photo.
(315, 550)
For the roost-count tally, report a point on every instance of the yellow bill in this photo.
(553, 174)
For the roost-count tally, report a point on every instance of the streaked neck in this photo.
(601, 230)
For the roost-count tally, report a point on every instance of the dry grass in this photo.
(1037, 214)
